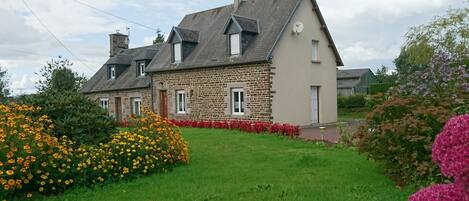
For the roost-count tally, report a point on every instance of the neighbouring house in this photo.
(263, 60)
(354, 81)
(121, 85)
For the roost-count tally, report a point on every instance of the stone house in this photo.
(355, 81)
(264, 60)
(121, 85)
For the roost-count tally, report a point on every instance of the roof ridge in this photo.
(199, 12)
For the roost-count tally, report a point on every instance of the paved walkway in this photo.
(330, 134)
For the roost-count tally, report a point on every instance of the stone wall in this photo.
(208, 92)
(126, 97)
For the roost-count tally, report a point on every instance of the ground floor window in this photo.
(237, 101)
(181, 102)
(136, 106)
(104, 103)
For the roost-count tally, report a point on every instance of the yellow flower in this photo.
(29, 195)
(41, 189)
(10, 172)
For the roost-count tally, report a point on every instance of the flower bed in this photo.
(246, 126)
(31, 161)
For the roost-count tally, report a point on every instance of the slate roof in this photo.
(128, 79)
(349, 78)
(272, 16)
(186, 35)
(246, 24)
(352, 73)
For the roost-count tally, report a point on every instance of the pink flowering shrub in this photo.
(451, 153)
(246, 126)
(451, 149)
(441, 192)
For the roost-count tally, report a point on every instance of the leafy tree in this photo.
(72, 113)
(58, 76)
(445, 34)
(159, 37)
(384, 75)
(4, 91)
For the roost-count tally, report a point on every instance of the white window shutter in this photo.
(235, 46)
(177, 53)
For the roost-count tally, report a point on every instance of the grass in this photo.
(346, 115)
(230, 165)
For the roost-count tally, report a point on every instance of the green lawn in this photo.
(230, 165)
(346, 115)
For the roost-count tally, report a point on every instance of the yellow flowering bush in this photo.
(31, 161)
(154, 145)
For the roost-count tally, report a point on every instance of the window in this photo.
(235, 47)
(180, 102)
(141, 69)
(112, 70)
(136, 106)
(177, 52)
(315, 51)
(237, 101)
(104, 103)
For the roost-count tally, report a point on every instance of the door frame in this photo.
(163, 103)
(118, 107)
(317, 104)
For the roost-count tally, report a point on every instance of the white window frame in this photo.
(181, 99)
(113, 72)
(177, 55)
(235, 44)
(141, 69)
(136, 110)
(104, 103)
(237, 92)
(315, 51)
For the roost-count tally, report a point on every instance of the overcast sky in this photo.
(368, 33)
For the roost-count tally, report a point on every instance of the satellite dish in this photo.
(298, 27)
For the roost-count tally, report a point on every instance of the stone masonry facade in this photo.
(126, 97)
(208, 92)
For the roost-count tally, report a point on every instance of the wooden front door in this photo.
(118, 109)
(164, 104)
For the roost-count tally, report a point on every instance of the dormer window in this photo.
(177, 52)
(182, 41)
(235, 44)
(112, 72)
(141, 69)
(240, 32)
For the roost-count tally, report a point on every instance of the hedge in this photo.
(380, 87)
(354, 101)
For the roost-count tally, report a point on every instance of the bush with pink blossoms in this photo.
(441, 192)
(451, 149)
(451, 152)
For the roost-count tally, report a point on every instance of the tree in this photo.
(58, 76)
(159, 37)
(445, 34)
(4, 91)
(384, 75)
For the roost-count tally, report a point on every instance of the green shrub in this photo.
(354, 101)
(399, 134)
(377, 88)
(74, 116)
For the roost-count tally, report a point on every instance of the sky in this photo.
(368, 33)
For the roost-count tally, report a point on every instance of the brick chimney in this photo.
(117, 43)
(237, 4)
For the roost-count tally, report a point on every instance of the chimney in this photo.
(237, 4)
(117, 43)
